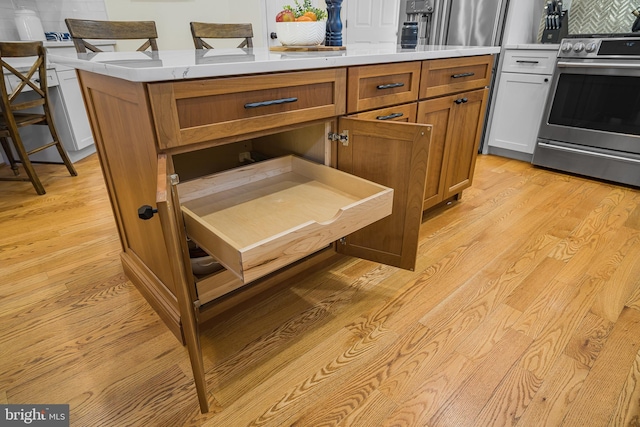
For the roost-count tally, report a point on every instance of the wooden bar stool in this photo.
(81, 29)
(200, 30)
(13, 116)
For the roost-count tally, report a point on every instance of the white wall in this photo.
(51, 12)
(173, 16)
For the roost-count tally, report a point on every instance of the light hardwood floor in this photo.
(524, 310)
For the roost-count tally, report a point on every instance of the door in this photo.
(372, 21)
(518, 111)
(465, 135)
(395, 155)
(436, 112)
(272, 7)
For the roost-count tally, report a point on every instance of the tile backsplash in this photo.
(51, 12)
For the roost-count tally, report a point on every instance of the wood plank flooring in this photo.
(524, 310)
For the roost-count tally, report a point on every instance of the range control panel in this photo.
(615, 48)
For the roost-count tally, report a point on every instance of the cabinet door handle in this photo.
(464, 100)
(390, 85)
(458, 101)
(458, 76)
(272, 102)
(390, 116)
(521, 61)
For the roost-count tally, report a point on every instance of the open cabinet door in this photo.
(395, 155)
(172, 225)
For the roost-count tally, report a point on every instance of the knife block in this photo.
(555, 35)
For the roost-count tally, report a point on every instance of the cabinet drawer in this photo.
(375, 86)
(259, 218)
(529, 61)
(195, 111)
(13, 81)
(452, 75)
(398, 113)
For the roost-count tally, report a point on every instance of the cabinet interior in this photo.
(307, 141)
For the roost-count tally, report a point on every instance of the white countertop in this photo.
(189, 64)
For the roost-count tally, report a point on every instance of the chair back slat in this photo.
(205, 30)
(27, 79)
(81, 29)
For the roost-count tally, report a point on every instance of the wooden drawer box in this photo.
(195, 111)
(259, 218)
(397, 113)
(375, 86)
(453, 75)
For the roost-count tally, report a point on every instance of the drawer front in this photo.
(191, 112)
(376, 86)
(453, 75)
(529, 61)
(398, 113)
(13, 81)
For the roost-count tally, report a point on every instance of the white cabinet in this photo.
(522, 90)
(71, 108)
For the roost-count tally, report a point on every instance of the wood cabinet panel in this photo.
(463, 145)
(436, 112)
(394, 155)
(195, 111)
(375, 86)
(457, 121)
(453, 75)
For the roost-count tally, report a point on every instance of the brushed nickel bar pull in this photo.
(522, 61)
(457, 76)
(390, 116)
(390, 85)
(268, 103)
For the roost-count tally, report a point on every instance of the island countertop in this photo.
(189, 64)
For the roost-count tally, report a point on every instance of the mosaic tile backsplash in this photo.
(51, 12)
(599, 16)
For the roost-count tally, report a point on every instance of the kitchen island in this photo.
(210, 139)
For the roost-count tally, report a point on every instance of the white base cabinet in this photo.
(523, 87)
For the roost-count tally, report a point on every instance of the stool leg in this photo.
(26, 163)
(9, 154)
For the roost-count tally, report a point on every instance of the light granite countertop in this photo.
(190, 64)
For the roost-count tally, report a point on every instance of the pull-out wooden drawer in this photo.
(398, 113)
(375, 86)
(259, 218)
(453, 75)
(195, 111)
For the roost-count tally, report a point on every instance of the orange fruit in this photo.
(303, 19)
(311, 15)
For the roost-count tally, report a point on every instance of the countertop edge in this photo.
(173, 68)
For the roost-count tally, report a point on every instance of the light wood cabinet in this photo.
(356, 185)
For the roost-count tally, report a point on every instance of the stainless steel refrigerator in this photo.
(457, 22)
(472, 22)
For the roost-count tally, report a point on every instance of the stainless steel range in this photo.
(591, 123)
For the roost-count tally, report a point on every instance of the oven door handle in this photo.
(629, 65)
(590, 153)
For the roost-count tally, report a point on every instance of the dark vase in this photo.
(334, 23)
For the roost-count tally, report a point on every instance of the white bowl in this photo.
(304, 33)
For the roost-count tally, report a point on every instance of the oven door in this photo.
(594, 103)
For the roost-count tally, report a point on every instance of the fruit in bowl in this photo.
(301, 25)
